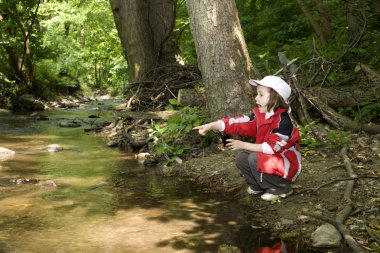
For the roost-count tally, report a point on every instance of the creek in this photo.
(92, 198)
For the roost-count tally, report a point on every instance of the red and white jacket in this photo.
(279, 137)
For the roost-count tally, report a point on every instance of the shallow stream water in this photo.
(104, 200)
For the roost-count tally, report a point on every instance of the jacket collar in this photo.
(267, 117)
(269, 114)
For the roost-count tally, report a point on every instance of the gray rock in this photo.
(47, 184)
(286, 222)
(38, 116)
(113, 143)
(6, 154)
(29, 102)
(5, 151)
(70, 124)
(326, 236)
(141, 157)
(52, 148)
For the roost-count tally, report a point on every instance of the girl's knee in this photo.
(252, 159)
(241, 157)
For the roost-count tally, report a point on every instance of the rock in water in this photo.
(52, 148)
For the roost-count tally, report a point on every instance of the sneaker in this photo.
(252, 192)
(272, 197)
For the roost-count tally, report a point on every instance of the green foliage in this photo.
(71, 42)
(268, 27)
(337, 139)
(280, 26)
(8, 91)
(183, 35)
(169, 140)
(309, 144)
(365, 113)
(173, 104)
(81, 38)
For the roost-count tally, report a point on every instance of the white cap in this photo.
(276, 83)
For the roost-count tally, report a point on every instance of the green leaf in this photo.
(188, 128)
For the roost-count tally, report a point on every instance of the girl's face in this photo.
(262, 98)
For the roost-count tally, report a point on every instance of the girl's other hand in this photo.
(235, 144)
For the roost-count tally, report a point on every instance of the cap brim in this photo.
(254, 82)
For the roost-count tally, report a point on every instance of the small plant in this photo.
(337, 139)
(168, 139)
(308, 142)
(366, 113)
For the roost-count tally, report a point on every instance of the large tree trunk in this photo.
(222, 56)
(145, 28)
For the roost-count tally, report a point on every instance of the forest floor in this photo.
(216, 170)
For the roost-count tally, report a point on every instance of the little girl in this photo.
(271, 163)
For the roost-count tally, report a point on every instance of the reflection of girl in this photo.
(275, 248)
(271, 163)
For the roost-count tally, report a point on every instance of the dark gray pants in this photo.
(247, 164)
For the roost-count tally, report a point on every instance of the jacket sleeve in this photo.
(284, 134)
(240, 125)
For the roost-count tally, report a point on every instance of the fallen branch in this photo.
(347, 209)
(315, 189)
(338, 121)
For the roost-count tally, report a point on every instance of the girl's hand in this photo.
(235, 144)
(203, 129)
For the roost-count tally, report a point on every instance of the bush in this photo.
(170, 140)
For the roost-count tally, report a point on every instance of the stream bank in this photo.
(319, 189)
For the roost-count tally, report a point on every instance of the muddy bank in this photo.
(319, 189)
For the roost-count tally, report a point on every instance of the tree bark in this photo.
(162, 20)
(145, 31)
(222, 56)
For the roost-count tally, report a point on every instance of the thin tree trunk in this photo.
(317, 28)
(325, 19)
(26, 36)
